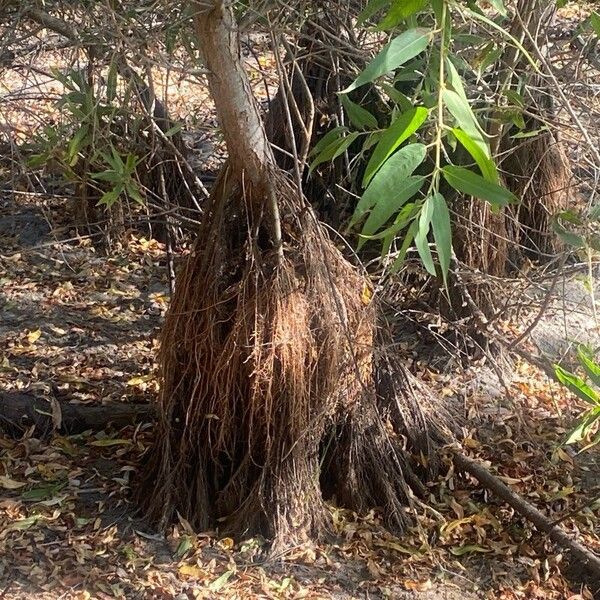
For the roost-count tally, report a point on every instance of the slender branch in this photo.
(530, 512)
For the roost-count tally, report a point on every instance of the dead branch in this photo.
(556, 533)
(19, 411)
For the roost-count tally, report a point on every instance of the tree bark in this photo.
(242, 126)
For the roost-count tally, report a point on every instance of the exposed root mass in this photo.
(269, 389)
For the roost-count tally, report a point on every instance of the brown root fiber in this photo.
(268, 391)
(539, 174)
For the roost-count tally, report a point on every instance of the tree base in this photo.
(269, 387)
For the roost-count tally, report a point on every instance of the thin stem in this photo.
(440, 103)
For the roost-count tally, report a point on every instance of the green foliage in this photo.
(86, 144)
(398, 52)
(584, 390)
(435, 52)
(579, 229)
(408, 161)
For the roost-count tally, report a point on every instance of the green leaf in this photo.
(576, 385)
(37, 160)
(486, 165)
(400, 11)
(594, 20)
(522, 135)
(405, 216)
(421, 237)
(110, 197)
(173, 130)
(22, 524)
(372, 8)
(410, 236)
(572, 239)
(399, 131)
(470, 183)
(42, 492)
(391, 175)
(583, 424)
(111, 81)
(499, 6)
(77, 143)
(133, 191)
(505, 33)
(397, 97)
(108, 175)
(389, 205)
(515, 98)
(220, 582)
(442, 233)
(110, 442)
(359, 116)
(327, 139)
(130, 163)
(591, 367)
(334, 150)
(186, 544)
(490, 57)
(400, 50)
(463, 115)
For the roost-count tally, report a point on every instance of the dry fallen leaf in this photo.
(10, 484)
(418, 586)
(192, 571)
(34, 336)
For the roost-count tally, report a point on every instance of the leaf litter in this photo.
(83, 328)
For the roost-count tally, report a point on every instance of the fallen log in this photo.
(555, 532)
(20, 411)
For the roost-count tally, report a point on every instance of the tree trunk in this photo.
(269, 395)
(537, 169)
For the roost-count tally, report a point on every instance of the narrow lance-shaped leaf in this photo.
(421, 237)
(442, 233)
(334, 150)
(359, 117)
(486, 165)
(372, 8)
(394, 171)
(588, 418)
(327, 139)
(594, 21)
(397, 133)
(400, 11)
(400, 50)
(388, 206)
(463, 115)
(410, 236)
(403, 218)
(591, 367)
(573, 239)
(499, 6)
(577, 386)
(467, 182)
(111, 81)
